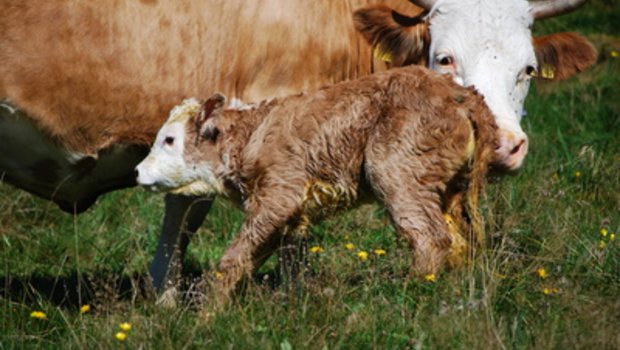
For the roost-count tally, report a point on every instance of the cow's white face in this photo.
(167, 168)
(488, 45)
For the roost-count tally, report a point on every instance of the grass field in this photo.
(560, 214)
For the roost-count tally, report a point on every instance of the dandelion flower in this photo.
(430, 277)
(549, 291)
(379, 252)
(542, 273)
(362, 255)
(125, 326)
(601, 244)
(38, 315)
(121, 336)
(614, 54)
(218, 275)
(84, 309)
(349, 246)
(577, 173)
(316, 249)
(604, 232)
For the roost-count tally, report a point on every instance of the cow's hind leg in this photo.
(183, 216)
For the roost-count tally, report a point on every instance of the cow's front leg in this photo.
(183, 216)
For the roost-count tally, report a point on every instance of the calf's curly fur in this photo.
(409, 137)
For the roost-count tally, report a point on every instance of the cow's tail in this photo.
(485, 131)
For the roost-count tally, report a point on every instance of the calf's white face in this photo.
(488, 45)
(166, 168)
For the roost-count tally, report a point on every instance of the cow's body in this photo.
(90, 77)
(403, 135)
(84, 86)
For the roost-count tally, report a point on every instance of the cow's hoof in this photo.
(168, 298)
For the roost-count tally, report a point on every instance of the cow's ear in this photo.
(562, 55)
(207, 110)
(396, 38)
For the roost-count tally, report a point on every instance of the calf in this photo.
(407, 136)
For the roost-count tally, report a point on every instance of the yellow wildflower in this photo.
(542, 273)
(218, 275)
(430, 277)
(614, 54)
(125, 326)
(379, 252)
(549, 291)
(316, 249)
(612, 236)
(601, 244)
(577, 173)
(38, 315)
(84, 309)
(604, 232)
(362, 255)
(349, 246)
(121, 336)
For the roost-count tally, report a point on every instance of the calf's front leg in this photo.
(261, 234)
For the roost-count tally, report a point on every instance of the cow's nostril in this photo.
(517, 148)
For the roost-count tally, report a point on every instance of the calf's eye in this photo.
(169, 140)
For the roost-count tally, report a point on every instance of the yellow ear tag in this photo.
(382, 54)
(547, 71)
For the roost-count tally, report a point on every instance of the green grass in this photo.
(544, 217)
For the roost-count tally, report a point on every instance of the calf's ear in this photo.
(207, 110)
(396, 38)
(562, 55)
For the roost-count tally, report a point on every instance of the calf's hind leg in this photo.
(415, 208)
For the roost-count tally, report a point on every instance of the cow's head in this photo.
(175, 163)
(486, 44)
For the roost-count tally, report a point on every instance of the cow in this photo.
(407, 136)
(85, 86)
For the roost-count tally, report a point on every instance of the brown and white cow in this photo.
(405, 135)
(84, 86)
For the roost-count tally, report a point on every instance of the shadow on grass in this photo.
(77, 289)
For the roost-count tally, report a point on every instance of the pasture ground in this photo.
(560, 214)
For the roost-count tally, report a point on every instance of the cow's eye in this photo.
(531, 71)
(169, 140)
(445, 60)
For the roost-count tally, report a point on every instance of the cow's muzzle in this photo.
(512, 149)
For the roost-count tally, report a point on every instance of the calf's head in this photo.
(185, 158)
(486, 44)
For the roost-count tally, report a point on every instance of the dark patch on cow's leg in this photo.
(183, 217)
